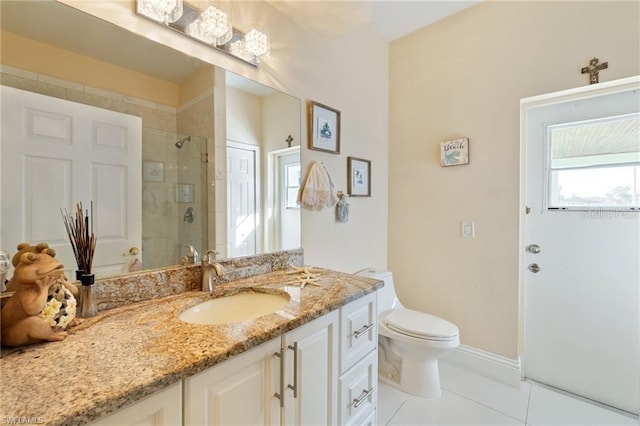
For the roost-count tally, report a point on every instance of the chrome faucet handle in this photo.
(209, 255)
(208, 259)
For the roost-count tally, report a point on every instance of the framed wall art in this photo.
(324, 128)
(358, 177)
(454, 152)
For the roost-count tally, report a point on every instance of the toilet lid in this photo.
(420, 325)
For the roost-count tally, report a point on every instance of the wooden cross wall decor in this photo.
(594, 69)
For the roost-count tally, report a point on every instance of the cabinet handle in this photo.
(363, 397)
(280, 395)
(363, 330)
(294, 387)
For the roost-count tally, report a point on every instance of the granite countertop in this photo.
(127, 353)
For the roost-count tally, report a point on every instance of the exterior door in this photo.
(242, 209)
(57, 153)
(582, 244)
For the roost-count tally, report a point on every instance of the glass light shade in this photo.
(256, 42)
(213, 26)
(237, 49)
(163, 11)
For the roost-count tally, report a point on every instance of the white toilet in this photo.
(409, 342)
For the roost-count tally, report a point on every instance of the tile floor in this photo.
(471, 399)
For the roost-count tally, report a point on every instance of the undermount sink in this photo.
(237, 307)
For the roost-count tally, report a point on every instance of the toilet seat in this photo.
(419, 325)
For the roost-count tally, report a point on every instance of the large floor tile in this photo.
(448, 410)
(504, 398)
(548, 407)
(390, 400)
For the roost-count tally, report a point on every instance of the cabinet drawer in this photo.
(358, 389)
(358, 330)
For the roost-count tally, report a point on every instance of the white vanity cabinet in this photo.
(358, 381)
(240, 391)
(163, 408)
(321, 373)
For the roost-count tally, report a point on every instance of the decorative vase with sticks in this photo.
(79, 228)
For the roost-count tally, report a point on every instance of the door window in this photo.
(594, 164)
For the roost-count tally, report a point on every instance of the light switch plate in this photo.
(468, 230)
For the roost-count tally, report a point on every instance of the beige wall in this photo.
(348, 73)
(27, 54)
(465, 76)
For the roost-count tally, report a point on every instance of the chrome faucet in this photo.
(209, 264)
(191, 258)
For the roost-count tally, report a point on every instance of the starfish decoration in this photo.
(308, 275)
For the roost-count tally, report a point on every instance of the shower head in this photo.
(182, 141)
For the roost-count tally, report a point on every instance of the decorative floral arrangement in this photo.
(60, 309)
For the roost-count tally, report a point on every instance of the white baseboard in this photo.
(493, 366)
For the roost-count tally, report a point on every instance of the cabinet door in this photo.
(163, 408)
(311, 372)
(239, 391)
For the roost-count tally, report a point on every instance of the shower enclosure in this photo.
(174, 201)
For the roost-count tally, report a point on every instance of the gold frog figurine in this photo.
(43, 304)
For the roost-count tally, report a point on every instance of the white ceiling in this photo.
(391, 18)
(60, 25)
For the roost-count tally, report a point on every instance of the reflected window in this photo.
(595, 164)
(292, 179)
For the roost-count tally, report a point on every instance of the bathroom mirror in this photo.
(232, 190)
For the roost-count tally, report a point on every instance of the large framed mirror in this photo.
(201, 171)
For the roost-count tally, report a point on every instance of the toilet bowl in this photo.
(410, 343)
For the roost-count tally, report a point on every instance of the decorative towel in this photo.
(317, 192)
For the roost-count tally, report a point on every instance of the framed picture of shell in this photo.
(324, 128)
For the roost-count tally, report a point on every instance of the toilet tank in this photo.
(387, 298)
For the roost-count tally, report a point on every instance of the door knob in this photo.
(533, 248)
(534, 268)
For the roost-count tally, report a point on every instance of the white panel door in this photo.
(242, 208)
(56, 153)
(581, 306)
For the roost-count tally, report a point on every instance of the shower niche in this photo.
(174, 196)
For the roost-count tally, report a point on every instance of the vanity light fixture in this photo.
(211, 26)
